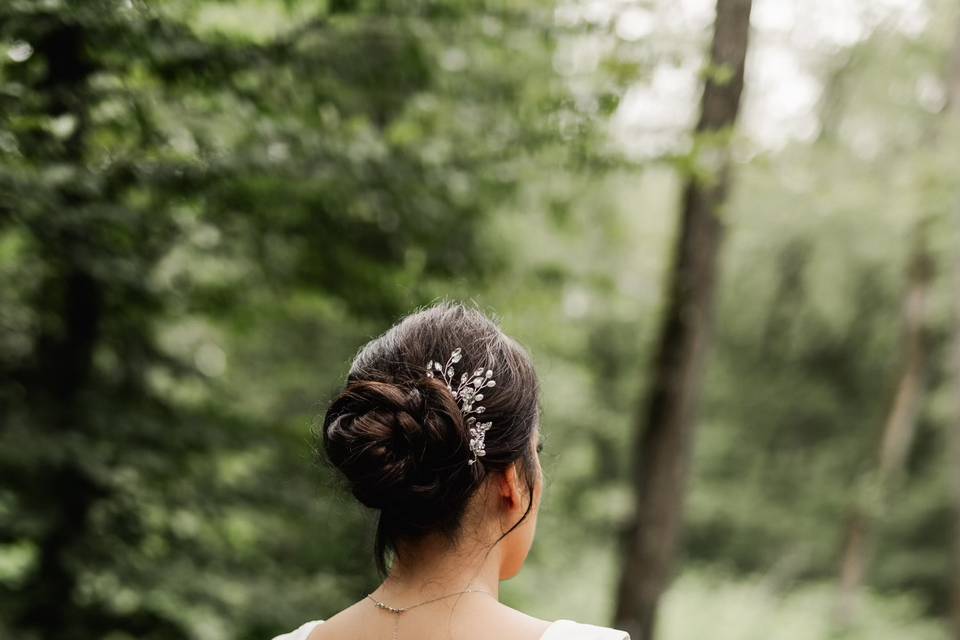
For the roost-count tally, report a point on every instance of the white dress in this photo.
(558, 630)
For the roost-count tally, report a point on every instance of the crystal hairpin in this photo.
(467, 393)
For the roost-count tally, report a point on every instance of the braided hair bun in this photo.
(400, 446)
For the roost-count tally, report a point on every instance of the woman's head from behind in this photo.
(401, 438)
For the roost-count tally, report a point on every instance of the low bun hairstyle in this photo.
(400, 446)
(399, 439)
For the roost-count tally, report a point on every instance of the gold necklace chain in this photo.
(400, 610)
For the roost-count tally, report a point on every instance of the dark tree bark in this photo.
(61, 369)
(666, 423)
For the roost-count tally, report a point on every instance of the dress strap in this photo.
(301, 632)
(569, 630)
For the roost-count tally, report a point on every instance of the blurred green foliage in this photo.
(206, 208)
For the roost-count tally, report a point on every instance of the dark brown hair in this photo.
(399, 437)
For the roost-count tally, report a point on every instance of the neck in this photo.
(430, 568)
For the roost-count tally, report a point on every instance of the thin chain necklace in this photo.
(398, 611)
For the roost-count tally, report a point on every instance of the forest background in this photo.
(207, 207)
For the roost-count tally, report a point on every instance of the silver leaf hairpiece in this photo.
(467, 393)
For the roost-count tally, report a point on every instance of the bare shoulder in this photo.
(340, 625)
(490, 620)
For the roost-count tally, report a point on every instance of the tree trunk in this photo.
(900, 426)
(898, 430)
(952, 109)
(954, 458)
(73, 302)
(665, 426)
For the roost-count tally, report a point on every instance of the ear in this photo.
(509, 488)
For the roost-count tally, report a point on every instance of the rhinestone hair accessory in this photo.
(467, 393)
